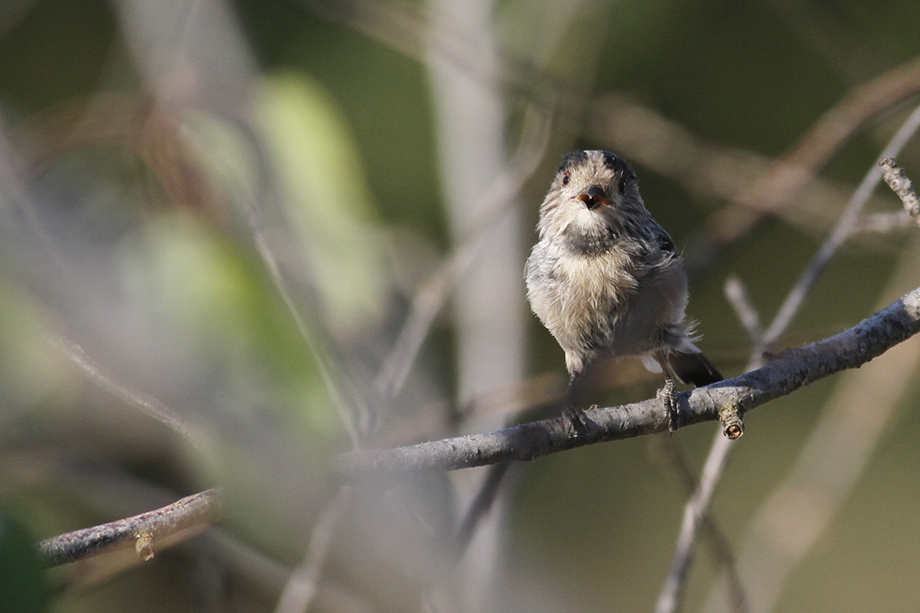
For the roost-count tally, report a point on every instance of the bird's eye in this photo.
(622, 186)
(565, 177)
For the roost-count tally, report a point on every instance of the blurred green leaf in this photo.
(326, 191)
(23, 587)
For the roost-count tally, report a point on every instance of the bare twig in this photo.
(718, 456)
(406, 28)
(164, 526)
(735, 292)
(301, 585)
(901, 185)
(800, 509)
(720, 451)
(695, 512)
(840, 233)
(792, 370)
(791, 173)
(431, 297)
(146, 404)
(737, 296)
(718, 542)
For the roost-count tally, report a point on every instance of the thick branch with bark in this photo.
(789, 371)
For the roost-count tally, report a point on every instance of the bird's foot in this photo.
(576, 421)
(668, 398)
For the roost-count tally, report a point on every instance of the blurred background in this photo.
(241, 238)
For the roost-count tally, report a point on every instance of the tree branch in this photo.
(187, 516)
(791, 370)
(669, 597)
(901, 185)
(780, 186)
(841, 232)
(697, 507)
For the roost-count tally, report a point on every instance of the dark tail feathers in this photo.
(693, 368)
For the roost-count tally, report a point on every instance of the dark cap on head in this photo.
(611, 160)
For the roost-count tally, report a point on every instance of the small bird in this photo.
(607, 282)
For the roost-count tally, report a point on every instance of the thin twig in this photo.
(406, 27)
(720, 451)
(901, 185)
(145, 403)
(695, 511)
(800, 509)
(316, 338)
(792, 172)
(790, 371)
(718, 542)
(840, 233)
(178, 520)
(301, 586)
(431, 297)
(737, 296)
(732, 424)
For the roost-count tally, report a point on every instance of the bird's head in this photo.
(592, 191)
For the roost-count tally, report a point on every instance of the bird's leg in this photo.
(668, 394)
(575, 416)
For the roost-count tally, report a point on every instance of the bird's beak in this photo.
(594, 197)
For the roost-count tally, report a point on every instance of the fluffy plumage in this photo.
(605, 277)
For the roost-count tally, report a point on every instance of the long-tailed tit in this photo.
(606, 279)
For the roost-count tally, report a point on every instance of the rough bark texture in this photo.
(787, 372)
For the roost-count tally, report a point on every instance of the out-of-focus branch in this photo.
(842, 230)
(706, 170)
(431, 297)
(720, 547)
(738, 297)
(145, 532)
(789, 175)
(146, 404)
(811, 472)
(696, 511)
(720, 452)
(301, 586)
(405, 27)
(153, 133)
(795, 515)
(792, 370)
(696, 517)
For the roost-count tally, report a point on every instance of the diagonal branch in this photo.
(146, 532)
(145, 403)
(669, 599)
(901, 185)
(781, 185)
(791, 370)
(841, 232)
